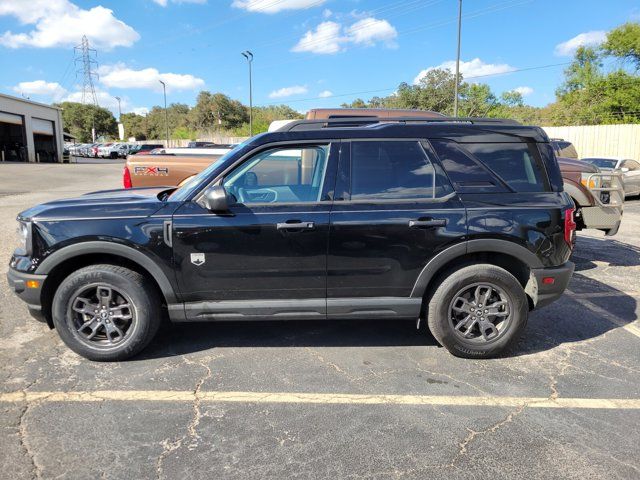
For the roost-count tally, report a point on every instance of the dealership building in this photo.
(29, 131)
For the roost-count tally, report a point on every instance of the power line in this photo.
(364, 92)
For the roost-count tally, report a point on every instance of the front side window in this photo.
(390, 170)
(280, 175)
(632, 165)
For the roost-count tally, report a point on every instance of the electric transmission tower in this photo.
(85, 60)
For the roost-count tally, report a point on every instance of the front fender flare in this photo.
(100, 247)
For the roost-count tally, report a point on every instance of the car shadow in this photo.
(570, 319)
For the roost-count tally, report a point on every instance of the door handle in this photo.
(435, 222)
(296, 226)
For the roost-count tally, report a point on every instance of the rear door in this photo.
(394, 211)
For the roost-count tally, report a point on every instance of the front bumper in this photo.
(603, 218)
(543, 293)
(30, 295)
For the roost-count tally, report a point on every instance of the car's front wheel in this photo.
(478, 311)
(106, 312)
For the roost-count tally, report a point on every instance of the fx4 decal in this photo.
(156, 171)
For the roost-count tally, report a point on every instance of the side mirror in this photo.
(216, 199)
(624, 169)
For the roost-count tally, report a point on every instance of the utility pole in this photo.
(86, 58)
(249, 56)
(455, 101)
(166, 114)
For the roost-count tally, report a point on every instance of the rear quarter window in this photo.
(516, 164)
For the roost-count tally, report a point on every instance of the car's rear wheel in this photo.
(106, 312)
(478, 311)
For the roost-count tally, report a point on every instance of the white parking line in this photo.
(315, 398)
(632, 327)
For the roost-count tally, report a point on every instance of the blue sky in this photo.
(308, 53)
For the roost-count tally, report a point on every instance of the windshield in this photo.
(602, 162)
(187, 188)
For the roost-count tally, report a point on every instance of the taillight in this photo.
(126, 178)
(569, 226)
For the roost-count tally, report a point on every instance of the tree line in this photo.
(600, 86)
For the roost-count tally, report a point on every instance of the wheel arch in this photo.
(514, 258)
(63, 262)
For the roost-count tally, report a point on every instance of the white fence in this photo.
(601, 140)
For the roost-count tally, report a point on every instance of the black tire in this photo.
(442, 318)
(138, 300)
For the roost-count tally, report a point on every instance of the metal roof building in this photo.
(29, 131)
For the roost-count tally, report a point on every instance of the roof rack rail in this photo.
(359, 121)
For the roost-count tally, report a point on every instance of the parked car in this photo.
(144, 148)
(630, 170)
(599, 197)
(461, 223)
(104, 150)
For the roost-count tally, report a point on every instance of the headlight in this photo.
(24, 237)
(590, 181)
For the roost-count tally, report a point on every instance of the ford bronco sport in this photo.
(460, 222)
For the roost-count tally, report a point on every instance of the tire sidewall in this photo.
(439, 311)
(142, 306)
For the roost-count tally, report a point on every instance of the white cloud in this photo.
(41, 87)
(331, 37)
(325, 39)
(164, 3)
(140, 111)
(370, 30)
(325, 94)
(288, 91)
(469, 70)
(568, 48)
(326, 13)
(524, 91)
(120, 76)
(60, 23)
(275, 6)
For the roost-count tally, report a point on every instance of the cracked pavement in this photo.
(582, 347)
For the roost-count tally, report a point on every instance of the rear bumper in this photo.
(545, 293)
(31, 296)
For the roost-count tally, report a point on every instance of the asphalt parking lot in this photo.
(373, 399)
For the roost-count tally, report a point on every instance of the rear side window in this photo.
(390, 170)
(516, 164)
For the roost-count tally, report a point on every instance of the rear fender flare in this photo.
(472, 246)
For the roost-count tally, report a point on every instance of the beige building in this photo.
(29, 131)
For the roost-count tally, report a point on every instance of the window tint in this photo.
(280, 175)
(466, 174)
(515, 163)
(390, 170)
(565, 149)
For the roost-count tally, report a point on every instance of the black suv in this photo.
(460, 222)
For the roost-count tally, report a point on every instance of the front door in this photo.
(394, 211)
(267, 255)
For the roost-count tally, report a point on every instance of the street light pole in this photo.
(455, 101)
(166, 115)
(249, 56)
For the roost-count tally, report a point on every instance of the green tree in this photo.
(134, 125)
(624, 42)
(216, 111)
(177, 115)
(79, 119)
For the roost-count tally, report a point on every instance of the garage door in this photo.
(13, 147)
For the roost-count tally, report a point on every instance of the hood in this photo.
(131, 202)
(571, 165)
